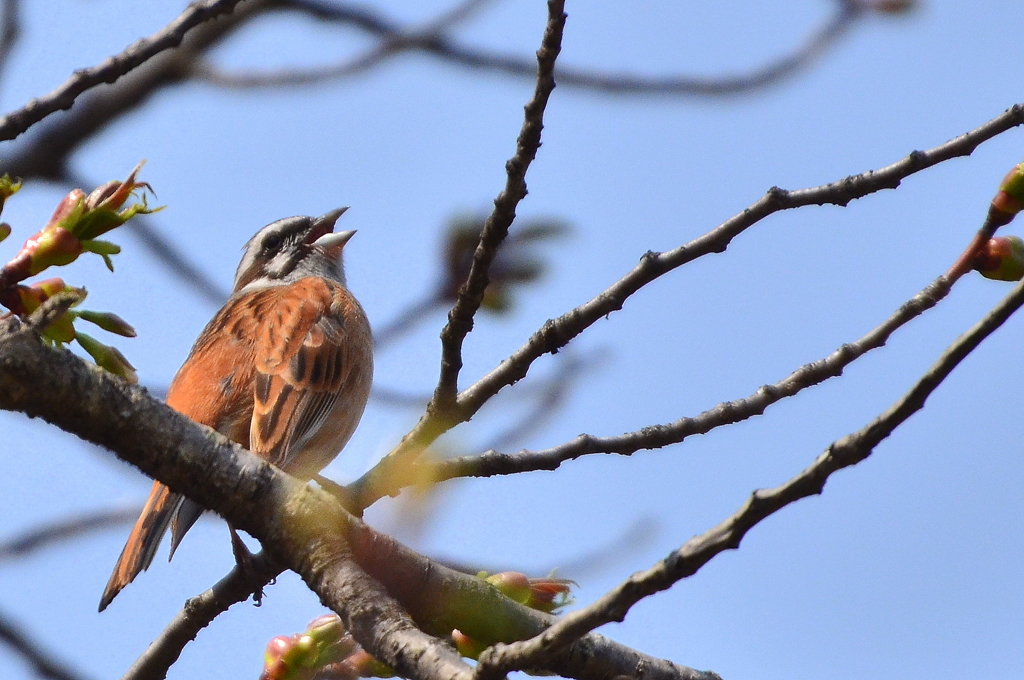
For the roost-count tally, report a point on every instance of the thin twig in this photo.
(460, 318)
(112, 68)
(431, 40)
(64, 529)
(406, 320)
(197, 613)
(552, 394)
(10, 30)
(391, 474)
(41, 660)
(393, 40)
(494, 462)
(698, 551)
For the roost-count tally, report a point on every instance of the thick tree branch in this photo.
(395, 471)
(368, 578)
(698, 551)
(301, 527)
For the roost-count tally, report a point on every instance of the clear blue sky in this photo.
(909, 565)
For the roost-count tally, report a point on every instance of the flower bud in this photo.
(467, 646)
(68, 211)
(51, 247)
(274, 665)
(1009, 200)
(103, 207)
(326, 629)
(107, 357)
(1001, 259)
(5, 230)
(543, 594)
(108, 321)
(512, 584)
(61, 329)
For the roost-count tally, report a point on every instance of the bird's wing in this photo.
(301, 364)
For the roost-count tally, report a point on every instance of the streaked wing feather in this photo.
(298, 373)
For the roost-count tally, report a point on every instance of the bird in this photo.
(283, 369)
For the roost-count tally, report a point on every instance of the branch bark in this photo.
(395, 471)
(382, 590)
(171, 35)
(698, 551)
(495, 229)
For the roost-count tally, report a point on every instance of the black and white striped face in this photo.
(290, 249)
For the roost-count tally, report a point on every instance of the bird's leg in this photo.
(244, 558)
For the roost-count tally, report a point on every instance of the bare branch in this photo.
(394, 39)
(10, 30)
(65, 529)
(197, 613)
(45, 153)
(391, 474)
(493, 462)
(171, 35)
(378, 586)
(41, 660)
(460, 318)
(698, 551)
(557, 333)
(301, 527)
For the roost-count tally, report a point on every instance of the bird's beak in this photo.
(324, 236)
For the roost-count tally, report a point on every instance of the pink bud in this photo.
(467, 646)
(326, 628)
(52, 247)
(512, 584)
(1002, 259)
(276, 648)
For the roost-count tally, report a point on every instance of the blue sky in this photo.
(907, 566)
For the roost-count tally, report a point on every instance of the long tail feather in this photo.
(143, 541)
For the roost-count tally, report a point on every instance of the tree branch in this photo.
(300, 527)
(698, 551)
(393, 472)
(198, 613)
(64, 529)
(491, 463)
(378, 586)
(495, 229)
(42, 662)
(171, 35)
(394, 40)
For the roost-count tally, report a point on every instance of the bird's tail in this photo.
(143, 541)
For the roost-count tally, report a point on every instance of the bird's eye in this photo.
(272, 242)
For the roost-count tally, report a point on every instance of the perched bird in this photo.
(284, 369)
